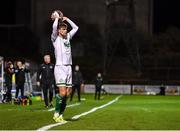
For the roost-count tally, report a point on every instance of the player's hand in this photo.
(64, 18)
(38, 83)
(54, 15)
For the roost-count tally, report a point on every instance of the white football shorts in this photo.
(63, 75)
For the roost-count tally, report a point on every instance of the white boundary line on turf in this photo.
(44, 128)
(72, 105)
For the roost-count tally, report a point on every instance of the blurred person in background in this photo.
(77, 81)
(20, 78)
(98, 85)
(28, 80)
(45, 79)
(9, 71)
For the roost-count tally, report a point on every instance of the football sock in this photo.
(63, 107)
(58, 103)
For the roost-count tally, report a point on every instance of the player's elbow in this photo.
(74, 31)
(77, 28)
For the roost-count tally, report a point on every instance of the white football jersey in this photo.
(62, 47)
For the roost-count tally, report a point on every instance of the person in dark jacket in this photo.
(9, 71)
(20, 78)
(77, 81)
(98, 85)
(45, 79)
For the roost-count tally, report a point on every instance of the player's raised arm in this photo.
(55, 17)
(73, 25)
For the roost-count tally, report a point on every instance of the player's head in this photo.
(62, 29)
(47, 59)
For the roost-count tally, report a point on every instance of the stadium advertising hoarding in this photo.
(136, 89)
(172, 90)
(156, 90)
(113, 89)
(146, 89)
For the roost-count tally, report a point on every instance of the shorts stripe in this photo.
(60, 84)
(68, 85)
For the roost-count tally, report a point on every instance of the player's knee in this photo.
(63, 93)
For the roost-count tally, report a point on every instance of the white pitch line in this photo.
(72, 105)
(95, 108)
(44, 128)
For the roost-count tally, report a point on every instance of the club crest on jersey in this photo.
(67, 44)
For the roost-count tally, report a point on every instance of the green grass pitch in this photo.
(128, 113)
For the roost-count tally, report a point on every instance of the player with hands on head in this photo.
(60, 38)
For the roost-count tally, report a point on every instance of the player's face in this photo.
(63, 31)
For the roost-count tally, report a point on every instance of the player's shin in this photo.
(58, 103)
(63, 107)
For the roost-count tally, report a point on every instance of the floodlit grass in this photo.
(129, 112)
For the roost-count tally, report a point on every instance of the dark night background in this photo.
(166, 14)
(155, 57)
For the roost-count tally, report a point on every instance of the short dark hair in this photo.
(62, 24)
